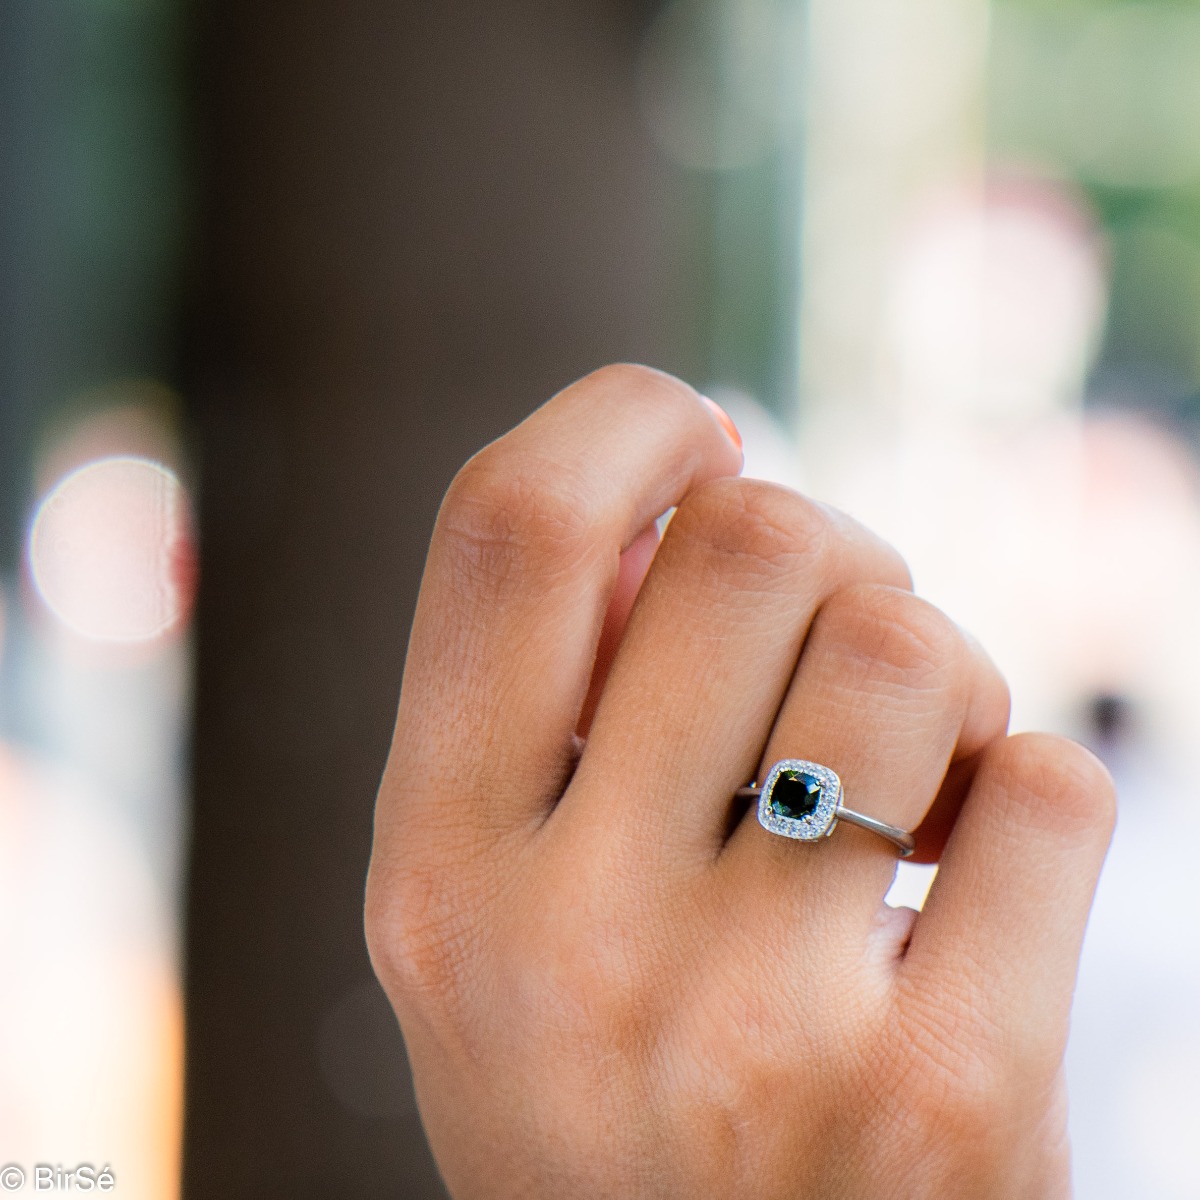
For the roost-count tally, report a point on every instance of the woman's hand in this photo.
(612, 980)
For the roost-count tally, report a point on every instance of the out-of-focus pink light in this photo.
(999, 299)
(111, 551)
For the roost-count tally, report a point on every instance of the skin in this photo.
(611, 980)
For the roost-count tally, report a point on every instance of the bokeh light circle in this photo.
(999, 299)
(111, 550)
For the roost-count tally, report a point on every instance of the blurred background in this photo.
(269, 273)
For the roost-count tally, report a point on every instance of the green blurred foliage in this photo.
(94, 214)
(1108, 96)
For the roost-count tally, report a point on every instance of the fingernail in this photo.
(726, 424)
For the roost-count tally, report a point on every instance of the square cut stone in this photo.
(799, 799)
(795, 794)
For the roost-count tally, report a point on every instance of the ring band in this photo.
(803, 800)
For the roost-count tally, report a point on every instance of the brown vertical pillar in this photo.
(420, 219)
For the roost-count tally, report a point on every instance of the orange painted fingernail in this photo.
(726, 424)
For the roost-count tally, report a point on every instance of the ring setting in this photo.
(803, 800)
(799, 800)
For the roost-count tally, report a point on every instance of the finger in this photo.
(888, 693)
(934, 830)
(995, 950)
(706, 660)
(524, 558)
(635, 562)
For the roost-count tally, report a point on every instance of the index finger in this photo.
(523, 560)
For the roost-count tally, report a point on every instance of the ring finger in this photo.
(888, 693)
(704, 665)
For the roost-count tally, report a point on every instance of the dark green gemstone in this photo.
(795, 794)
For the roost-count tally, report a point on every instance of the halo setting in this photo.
(799, 799)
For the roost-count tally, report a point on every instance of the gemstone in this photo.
(795, 794)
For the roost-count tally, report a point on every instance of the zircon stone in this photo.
(795, 795)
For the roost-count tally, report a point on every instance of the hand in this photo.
(612, 980)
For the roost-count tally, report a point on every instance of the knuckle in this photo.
(416, 945)
(753, 528)
(573, 992)
(646, 383)
(1061, 784)
(947, 1043)
(958, 1055)
(648, 396)
(573, 966)
(958, 1120)
(893, 634)
(887, 564)
(953, 1094)
(507, 518)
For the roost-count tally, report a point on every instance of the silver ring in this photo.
(803, 800)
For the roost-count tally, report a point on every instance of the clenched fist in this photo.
(612, 980)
